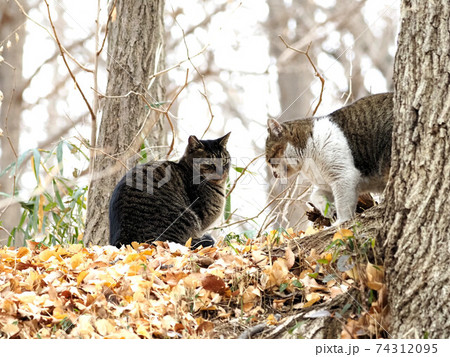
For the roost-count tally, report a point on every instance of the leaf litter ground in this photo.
(162, 291)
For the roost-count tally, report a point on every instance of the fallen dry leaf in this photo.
(163, 290)
(214, 283)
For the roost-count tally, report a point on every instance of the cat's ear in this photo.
(194, 143)
(275, 128)
(224, 139)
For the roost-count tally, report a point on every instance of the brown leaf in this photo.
(22, 252)
(311, 299)
(290, 257)
(214, 283)
(205, 326)
(173, 278)
(193, 280)
(11, 329)
(279, 272)
(205, 262)
(251, 294)
(375, 276)
(259, 258)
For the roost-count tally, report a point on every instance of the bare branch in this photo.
(93, 116)
(316, 72)
(51, 58)
(145, 129)
(51, 35)
(106, 28)
(204, 94)
(95, 102)
(242, 173)
(13, 92)
(350, 88)
(178, 65)
(257, 215)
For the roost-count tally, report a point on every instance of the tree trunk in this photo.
(11, 81)
(135, 52)
(417, 218)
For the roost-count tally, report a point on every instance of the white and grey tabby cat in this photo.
(172, 201)
(348, 152)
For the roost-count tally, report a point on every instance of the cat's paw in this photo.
(323, 201)
(205, 241)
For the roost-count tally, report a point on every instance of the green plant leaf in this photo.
(59, 156)
(36, 164)
(345, 308)
(58, 196)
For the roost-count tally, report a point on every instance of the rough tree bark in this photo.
(11, 84)
(417, 218)
(135, 52)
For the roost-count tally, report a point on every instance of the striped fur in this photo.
(347, 152)
(171, 201)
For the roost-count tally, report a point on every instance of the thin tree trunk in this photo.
(135, 52)
(294, 81)
(417, 218)
(11, 84)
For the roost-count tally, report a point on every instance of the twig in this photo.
(95, 103)
(57, 86)
(11, 199)
(93, 116)
(254, 330)
(317, 32)
(13, 91)
(242, 173)
(106, 28)
(164, 112)
(51, 35)
(350, 89)
(256, 216)
(204, 94)
(316, 72)
(178, 64)
(207, 19)
(264, 225)
(51, 58)
(250, 332)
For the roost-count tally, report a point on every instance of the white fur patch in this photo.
(329, 165)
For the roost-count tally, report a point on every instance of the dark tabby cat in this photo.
(172, 201)
(343, 154)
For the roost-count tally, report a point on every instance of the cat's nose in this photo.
(275, 175)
